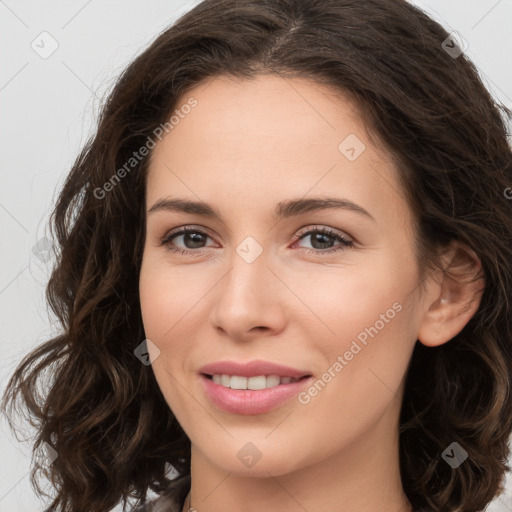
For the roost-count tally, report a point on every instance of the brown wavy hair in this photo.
(102, 410)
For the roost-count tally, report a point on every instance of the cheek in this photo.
(156, 306)
(170, 301)
(365, 321)
(166, 298)
(160, 312)
(343, 303)
(161, 309)
(364, 362)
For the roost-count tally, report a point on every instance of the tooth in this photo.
(253, 383)
(273, 380)
(238, 382)
(259, 382)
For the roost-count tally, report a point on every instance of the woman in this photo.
(368, 370)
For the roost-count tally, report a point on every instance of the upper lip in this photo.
(252, 369)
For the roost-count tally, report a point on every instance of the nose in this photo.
(250, 300)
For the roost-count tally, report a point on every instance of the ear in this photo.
(453, 298)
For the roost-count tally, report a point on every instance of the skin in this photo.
(245, 147)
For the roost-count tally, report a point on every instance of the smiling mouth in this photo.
(255, 383)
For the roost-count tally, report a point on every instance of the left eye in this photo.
(319, 236)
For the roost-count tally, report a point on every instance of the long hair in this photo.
(102, 410)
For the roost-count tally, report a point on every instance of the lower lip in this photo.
(246, 401)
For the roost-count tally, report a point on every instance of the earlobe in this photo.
(454, 298)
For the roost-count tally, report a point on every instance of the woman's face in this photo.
(342, 308)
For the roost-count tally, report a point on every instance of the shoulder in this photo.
(171, 500)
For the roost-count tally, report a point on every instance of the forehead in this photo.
(249, 143)
(267, 113)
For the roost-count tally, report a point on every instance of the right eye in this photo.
(191, 236)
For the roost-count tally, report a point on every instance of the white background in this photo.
(48, 109)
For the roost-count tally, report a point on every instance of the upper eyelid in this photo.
(181, 229)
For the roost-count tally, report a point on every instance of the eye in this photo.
(320, 237)
(193, 238)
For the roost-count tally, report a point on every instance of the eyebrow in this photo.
(284, 209)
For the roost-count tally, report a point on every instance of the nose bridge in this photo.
(247, 298)
(248, 270)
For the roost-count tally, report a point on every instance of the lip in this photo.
(252, 369)
(246, 401)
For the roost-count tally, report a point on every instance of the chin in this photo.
(257, 458)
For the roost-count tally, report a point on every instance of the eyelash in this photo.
(345, 242)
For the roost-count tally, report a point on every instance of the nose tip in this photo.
(248, 301)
